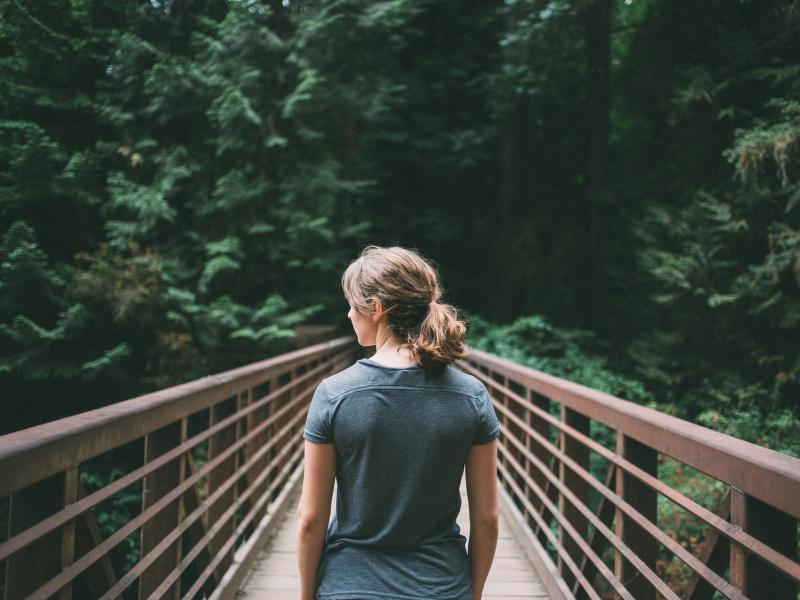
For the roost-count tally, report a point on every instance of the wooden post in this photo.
(254, 419)
(297, 430)
(501, 418)
(520, 411)
(776, 529)
(155, 486)
(68, 530)
(537, 449)
(285, 398)
(642, 498)
(243, 427)
(40, 561)
(580, 454)
(217, 444)
(263, 438)
(272, 431)
(738, 501)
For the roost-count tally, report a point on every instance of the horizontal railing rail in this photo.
(213, 463)
(593, 507)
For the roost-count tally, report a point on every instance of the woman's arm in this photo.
(482, 496)
(314, 512)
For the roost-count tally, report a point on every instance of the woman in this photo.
(396, 431)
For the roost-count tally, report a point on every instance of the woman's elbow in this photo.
(310, 521)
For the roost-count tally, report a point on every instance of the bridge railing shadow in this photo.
(587, 473)
(206, 466)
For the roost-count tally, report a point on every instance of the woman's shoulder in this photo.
(464, 381)
(340, 381)
(359, 376)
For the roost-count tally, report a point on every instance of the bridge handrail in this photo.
(550, 482)
(254, 454)
(758, 471)
(32, 454)
(214, 463)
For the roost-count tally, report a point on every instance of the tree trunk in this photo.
(596, 18)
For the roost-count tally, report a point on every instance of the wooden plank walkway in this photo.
(274, 574)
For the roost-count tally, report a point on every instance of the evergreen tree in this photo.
(44, 359)
(719, 244)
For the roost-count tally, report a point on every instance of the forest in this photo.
(609, 188)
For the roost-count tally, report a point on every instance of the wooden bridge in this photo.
(212, 470)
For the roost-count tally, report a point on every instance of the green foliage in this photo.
(573, 354)
(116, 512)
(224, 320)
(174, 166)
(37, 325)
(683, 527)
(778, 430)
(719, 253)
(181, 184)
(146, 206)
(767, 138)
(197, 178)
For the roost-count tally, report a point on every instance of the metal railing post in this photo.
(773, 527)
(580, 454)
(643, 499)
(156, 485)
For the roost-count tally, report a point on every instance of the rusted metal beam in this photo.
(667, 542)
(51, 523)
(564, 556)
(68, 530)
(781, 562)
(32, 566)
(770, 476)
(154, 487)
(643, 499)
(217, 444)
(580, 454)
(32, 454)
(248, 552)
(56, 583)
(516, 492)
(663, 589)
(538, 450)
(748, 573)
(552, 494)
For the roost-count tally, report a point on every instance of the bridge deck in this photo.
(274, 574)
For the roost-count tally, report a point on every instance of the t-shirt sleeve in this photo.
(318, 420)
(488, 427)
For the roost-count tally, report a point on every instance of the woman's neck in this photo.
(391, 354)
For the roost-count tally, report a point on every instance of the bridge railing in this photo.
(582, 470)
(209, 464)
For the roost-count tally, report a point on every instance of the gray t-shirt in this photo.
(402, 436)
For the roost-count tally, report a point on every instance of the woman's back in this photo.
(402, 436)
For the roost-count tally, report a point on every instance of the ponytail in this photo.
(408, 285)
(441, 338)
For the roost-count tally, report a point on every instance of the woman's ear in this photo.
(377, 310)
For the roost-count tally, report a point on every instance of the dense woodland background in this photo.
(609, 189)
(182, 182)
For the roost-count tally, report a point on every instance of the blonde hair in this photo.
(408, 286)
